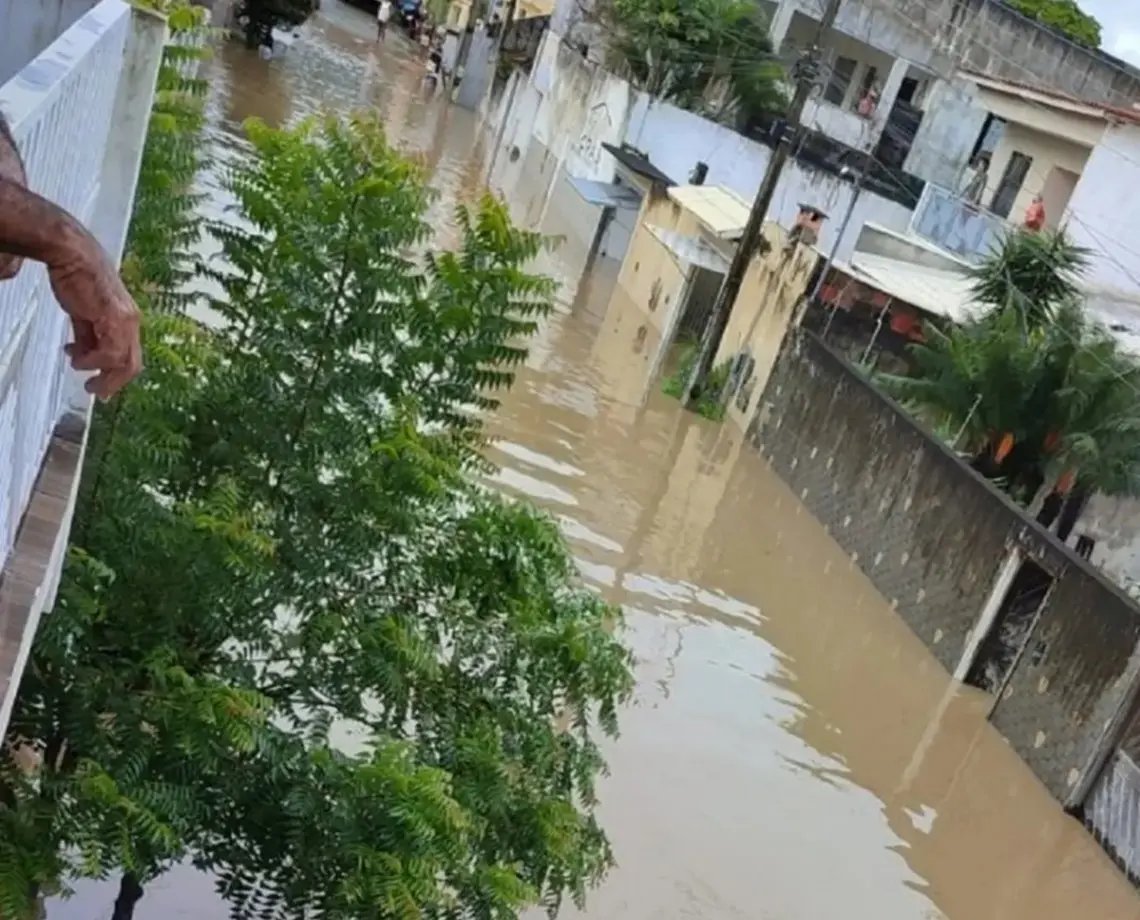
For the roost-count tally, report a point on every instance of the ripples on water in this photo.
(792, 751)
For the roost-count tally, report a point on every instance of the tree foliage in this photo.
(1033, 388)
(1033, 273)
(710, 56)
(1065, 16)
(297, 641)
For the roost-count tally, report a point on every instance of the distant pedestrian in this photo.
(383, 14)
(1035, 214)
(973, 184)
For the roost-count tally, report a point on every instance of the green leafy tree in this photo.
(710, 56)
(1065, 16)
(357, 375)
(280, 541)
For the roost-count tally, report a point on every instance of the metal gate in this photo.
(1112, 812)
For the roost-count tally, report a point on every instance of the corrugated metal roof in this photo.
(691, 249)
(947, 294)
(720, 210)
(940, 293)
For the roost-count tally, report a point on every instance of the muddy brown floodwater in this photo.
(792, 751)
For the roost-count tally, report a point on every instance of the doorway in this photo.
(1011, 627)
(1055, 194)
(1011, 182)
(704, 285)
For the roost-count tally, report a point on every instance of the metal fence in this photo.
(1112, 812)
(59, 108)
(950, 223)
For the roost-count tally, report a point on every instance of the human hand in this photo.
(104, 318)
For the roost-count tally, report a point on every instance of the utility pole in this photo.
(856, 191)
(806, 71)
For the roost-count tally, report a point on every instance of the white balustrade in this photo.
(59, 108)
(953, 224)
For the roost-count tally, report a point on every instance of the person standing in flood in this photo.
(383, 14)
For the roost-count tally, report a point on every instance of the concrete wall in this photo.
(1103, 210)
(931, 535)
(27, 27)
(945, 139)
(987, 36)
(651, 277)
(675, 140)
(570, 105)
(764, 310)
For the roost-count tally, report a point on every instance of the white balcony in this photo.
(956, 226)
(78, 112)
(840, 124)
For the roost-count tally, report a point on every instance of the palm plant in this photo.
(1055, 402)
(1033, 273)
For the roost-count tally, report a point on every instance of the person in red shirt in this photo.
(1035, 214)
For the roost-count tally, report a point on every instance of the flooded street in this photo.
(792, 751)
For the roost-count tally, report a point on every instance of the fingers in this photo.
(9, 266)
(110, 380)
(112, 348)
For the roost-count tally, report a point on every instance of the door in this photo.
(1011, 182)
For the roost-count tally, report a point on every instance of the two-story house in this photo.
(1081, 158)
(926, 117)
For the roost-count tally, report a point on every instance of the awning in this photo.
(636, 162)
(691, 249)
(722, 212)
(606, 194)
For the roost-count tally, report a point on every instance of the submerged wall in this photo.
(932, 536)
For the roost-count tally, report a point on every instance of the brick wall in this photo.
(932, 536)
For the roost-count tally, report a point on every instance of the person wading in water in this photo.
(104, 318)
(383, 14)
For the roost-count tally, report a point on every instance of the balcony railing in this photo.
(960, 228)
(78, 113)
(847, 127)
(59, 108)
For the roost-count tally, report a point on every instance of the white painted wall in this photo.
(951, 123)
(27, 27)
(675, 140)
(560, 116)
(1104, 212)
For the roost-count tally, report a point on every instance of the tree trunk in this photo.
(1050, 509)
(130, 893)
(1071, 512)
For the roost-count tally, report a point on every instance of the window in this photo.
(1011, 181)
(842, 72)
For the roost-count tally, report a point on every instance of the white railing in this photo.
(950, 223)
(59, 108)
(846, 126)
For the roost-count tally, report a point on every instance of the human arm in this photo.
(104, 317)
